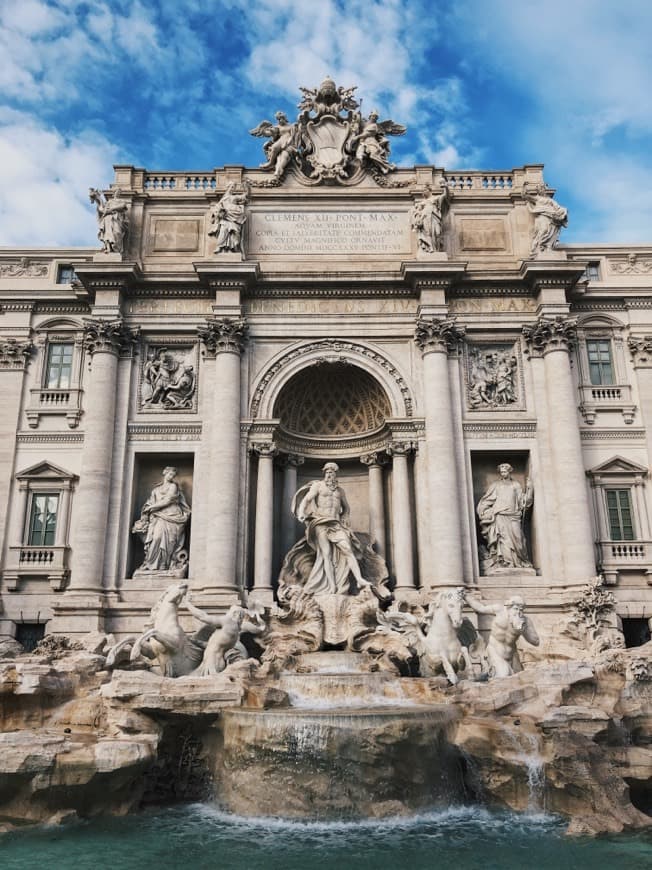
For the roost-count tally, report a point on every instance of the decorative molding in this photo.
(223, 335)
(62, 308)
(640, 347)
(264, 449)
(17, 306)
(15, 353)
(597, 305)
(107, 336)
(341, 351)
(401, 448)
(24, 268)
(164, 431)
(438, 335)
(376, 458)
(612, 435)
(548, 334)
(507, 429)
(50, 437)
(630, 265)
(392, 289)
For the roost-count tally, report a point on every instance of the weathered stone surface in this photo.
(190, 696)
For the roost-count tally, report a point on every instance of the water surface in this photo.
(201, 837)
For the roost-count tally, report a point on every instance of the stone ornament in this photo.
(168, 379)
(548, 334)
(632, 265)
(112, 219)
(223, 335)
(24, 268)
(640, 347)
(330, 141)
(162, 527)
(510, 623)
(107, 336)
(593, 618)
(433, 334)
(15, 353)
(549, 218)
(501, 512)
(492, 375)
(426, 218)
(227, 218)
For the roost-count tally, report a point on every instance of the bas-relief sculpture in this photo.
(162, 527)
(330, 141)
(426, 218)
(549, 218)
(501, 512)
(227, 219)
(24, 268)
(168, 380)
(492, 377)
(112, 219)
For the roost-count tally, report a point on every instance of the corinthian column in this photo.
(264, 530)
(436, 338)
(103, 341)
(402, 517)
(375, 462)
(552, 338)
(289, 535)
(224, 339)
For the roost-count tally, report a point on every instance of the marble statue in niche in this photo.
(549, 218)
(227, 220)
(426, 218)
(509, 623)
(492, 377)
(501, 512)
(162, 526)
(168, 379)
(112, 220)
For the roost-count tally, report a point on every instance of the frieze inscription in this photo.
(325, 232)
(332, 306)
(490, 305)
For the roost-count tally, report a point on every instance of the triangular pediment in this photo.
(618, 465)
(45, 471)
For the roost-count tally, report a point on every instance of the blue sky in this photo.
(176, 84)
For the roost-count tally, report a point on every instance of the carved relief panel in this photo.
(168, 377)
(494, 376)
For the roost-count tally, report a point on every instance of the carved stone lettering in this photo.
(332, 306)
(491, 304)
(483, 235)
(171, 234)
(336, 232)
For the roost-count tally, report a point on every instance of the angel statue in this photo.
(282, 145)
(370, 141)
(112, 219)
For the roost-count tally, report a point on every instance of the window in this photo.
(601, 369)
(66, 275)
(29, 634)
(58, 369)
(619, 511)
(43, 519)
(592, 272)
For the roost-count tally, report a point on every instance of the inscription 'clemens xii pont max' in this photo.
(325, 232)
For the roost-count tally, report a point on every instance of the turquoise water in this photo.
(199, 836)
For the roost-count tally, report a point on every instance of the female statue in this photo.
(162, 524)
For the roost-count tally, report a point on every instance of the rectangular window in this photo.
(43, 519)
(59, 366)
(619, 510)
(592, 272)
(66, 275)
(601, 370)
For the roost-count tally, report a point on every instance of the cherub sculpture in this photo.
(370, 142)
(283, 143)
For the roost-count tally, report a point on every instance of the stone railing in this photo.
(500, 181)
(54, 402)
(49, 563)
(178, 181)
(617, 556)
(600, 397)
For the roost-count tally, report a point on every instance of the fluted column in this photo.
(224, 339)
(264, 529)
(374, 462)
(436, 338)
(402, 517)
(291, 463)
(103, 341)
(552, 337)
(640, 347)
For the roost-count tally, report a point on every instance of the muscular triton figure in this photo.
(325, 511)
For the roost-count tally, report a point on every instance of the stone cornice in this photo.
(549, 334)
(111, 275)
(436, 274)
(227, 274)
(223, 335)
(552, 273)
(164, 431)
(438, 335)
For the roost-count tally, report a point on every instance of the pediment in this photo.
(618, 465)
(45, 471)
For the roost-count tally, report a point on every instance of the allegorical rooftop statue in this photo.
(330, 140)
(112, 220)
(549, 218)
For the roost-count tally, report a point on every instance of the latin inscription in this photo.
(167, 306)
(485, 306)
(325, 232)
(332, 306)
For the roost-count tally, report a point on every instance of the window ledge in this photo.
(44, 562)
(62, 402)
(596, 398)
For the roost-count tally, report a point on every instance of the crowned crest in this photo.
(330, 141)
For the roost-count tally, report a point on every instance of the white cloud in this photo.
(44, 181)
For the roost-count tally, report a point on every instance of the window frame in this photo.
(619, 491)
(35, 495)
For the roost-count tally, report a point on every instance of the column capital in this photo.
(550, 333)
(376, 459)
(290, 460)
(264, 449)
(438, 335)
(401, 448)
(223, 335)
(107, 336)
(15, 354)
(640, 347)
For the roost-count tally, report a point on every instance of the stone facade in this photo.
(326, 332)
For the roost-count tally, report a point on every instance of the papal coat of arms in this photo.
(330, 140)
